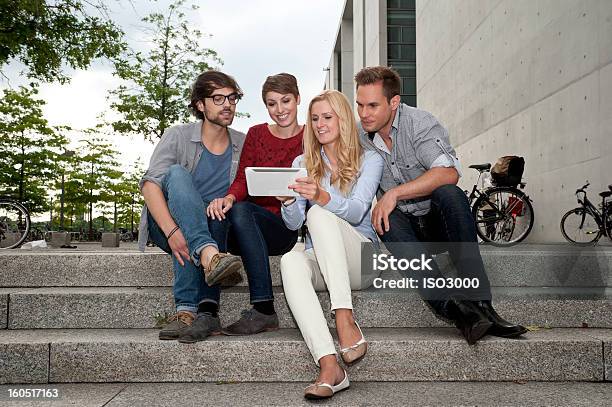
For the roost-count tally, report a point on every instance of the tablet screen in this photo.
(272, 181)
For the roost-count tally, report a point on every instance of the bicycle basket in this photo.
(508, 171)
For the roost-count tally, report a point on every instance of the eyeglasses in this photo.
(218, 100)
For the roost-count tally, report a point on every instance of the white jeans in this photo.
(335, 263)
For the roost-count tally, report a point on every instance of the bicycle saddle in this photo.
(481, 167)
(605, 194)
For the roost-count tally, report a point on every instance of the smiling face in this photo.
(373, 108)
(325, 122)
(282, 108)
(222, 115)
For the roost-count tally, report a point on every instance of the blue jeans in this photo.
(188, 211)
(450, 221)
(255, 233)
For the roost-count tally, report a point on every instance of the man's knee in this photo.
(176, 172)
(449, 194)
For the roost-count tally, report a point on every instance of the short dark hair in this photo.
(391, 81)
(205, 85)
(283, 83)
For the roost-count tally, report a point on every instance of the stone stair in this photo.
(71, 317)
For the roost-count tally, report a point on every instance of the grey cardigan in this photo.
(180, 145)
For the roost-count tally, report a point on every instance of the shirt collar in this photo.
(196, 137)
(324, 156)
(394, 125)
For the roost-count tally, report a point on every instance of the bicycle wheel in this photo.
(14, 224)
(580, 227)
(503, 216)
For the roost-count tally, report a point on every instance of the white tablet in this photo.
(272, 181)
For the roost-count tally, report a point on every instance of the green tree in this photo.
(128, 199)
(47, 35)
(158, 80)
(97, 169)
(29, 148)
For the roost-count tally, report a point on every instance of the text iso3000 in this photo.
(440, 282)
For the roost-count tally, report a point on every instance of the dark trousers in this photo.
(449, 226)
(255, 233)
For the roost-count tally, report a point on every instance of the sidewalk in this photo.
(290, 394)
(603, 246)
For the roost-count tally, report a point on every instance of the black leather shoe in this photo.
(468, 318)
(500, 326)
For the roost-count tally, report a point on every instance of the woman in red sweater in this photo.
(256, 228)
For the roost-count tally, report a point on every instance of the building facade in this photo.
(506, 77)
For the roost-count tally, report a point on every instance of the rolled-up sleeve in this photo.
(354, 207)
(293, 215)
(432, 145)
(164, 156)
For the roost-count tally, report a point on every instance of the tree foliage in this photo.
(29, 148)
(96, 170)
(158, 80)
(46, 35)
(126, 198)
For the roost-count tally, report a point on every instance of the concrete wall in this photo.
(361, 41)
(525, 77)
(346, 54)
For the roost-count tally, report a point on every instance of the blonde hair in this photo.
(348, 148)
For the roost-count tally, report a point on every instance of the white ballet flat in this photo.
(318, 391)
(355, 352)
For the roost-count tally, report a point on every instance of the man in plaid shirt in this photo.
(419, 202)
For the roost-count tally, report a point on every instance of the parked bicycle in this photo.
(14, 223)
(126, 235)
(585, 225)
(503, 214)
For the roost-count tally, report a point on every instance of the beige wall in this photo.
(525, 77)
(361, 41)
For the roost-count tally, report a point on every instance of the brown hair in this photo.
(282, 83)
(205, 85)
(391, 81)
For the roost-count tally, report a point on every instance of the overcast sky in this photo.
(254, 38)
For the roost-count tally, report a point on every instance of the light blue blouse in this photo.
(354, 208)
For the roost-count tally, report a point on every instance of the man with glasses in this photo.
(193, 164)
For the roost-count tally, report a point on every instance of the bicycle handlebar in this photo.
(585, 186)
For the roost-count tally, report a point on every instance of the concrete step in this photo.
(129, 307)
(405, 394)
(514, 267)
(422, 354)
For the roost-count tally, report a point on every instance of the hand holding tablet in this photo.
(273, 181)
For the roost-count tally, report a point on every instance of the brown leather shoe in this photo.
(177, 325)
(223, 268)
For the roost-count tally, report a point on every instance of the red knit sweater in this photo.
(262, 149)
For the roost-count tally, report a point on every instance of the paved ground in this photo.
(604, 245)
(290, 394)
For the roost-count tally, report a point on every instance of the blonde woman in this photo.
(334, 201)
